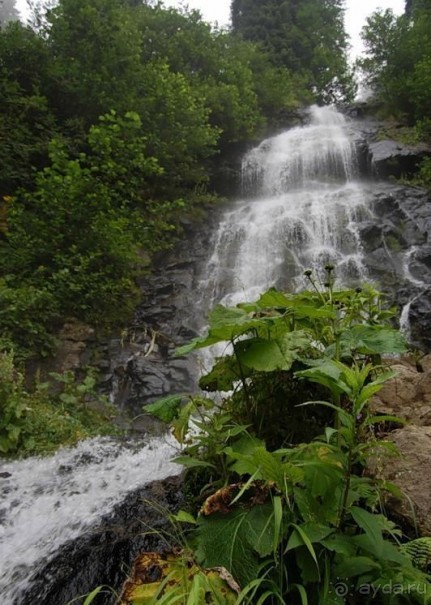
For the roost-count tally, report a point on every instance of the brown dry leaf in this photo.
(220, 502)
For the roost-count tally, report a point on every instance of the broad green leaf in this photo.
(271, 355)
(370, 340)
(371, 524)
(167, 408)
(329, 374)
(311, 312)
(223, 541)
(384, 552)
(350, 567)
(300, 538)
(227, 323)
(340, 544)
(310, 572)
(190, 462)
(315, 532)
(262, 533)
(273, 298)
(241, 452)
(223, 375)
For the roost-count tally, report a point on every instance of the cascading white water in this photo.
(45, 502)
(304, 213)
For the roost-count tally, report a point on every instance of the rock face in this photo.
(390, 158)
(104, 554)
(384, 157)
(411, 472)
(408, 396)
(141, 366)
(397, 253)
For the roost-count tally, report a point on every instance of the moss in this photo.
(407, 135)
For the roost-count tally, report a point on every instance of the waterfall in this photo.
(45, 502)
(304, 204)
(302, 207)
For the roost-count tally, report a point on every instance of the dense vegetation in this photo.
(114, 114)
(308, 38)
(397, 67)
(286, 504)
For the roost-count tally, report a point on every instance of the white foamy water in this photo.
(306, 205)
(45, 502)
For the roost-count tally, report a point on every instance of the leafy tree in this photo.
(26, 120)
(234, 79)
(305, 37)
(95, 49)
(73, 239)
(398, 60)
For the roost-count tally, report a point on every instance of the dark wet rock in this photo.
(103, 555)
(423, 255)
(391, 158)
(141, 366)
(371, 235)
(420, 320)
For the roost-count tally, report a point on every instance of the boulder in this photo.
(410, 471)
(103, 554)
(408, 395)
(391, 158)
(420, 320)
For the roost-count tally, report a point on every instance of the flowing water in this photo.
(46, 502)
(303, 203)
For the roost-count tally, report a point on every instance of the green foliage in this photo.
(27, 316)
(111, 114)
(13, 404)
(423, 177)
(237, 540)
(70, 247)
(294, 522)
(234, 79)
(59, 412)
(26, 122)
(398, 61)
(279, 335)
(307, 38)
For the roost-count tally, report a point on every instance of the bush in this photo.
(58, 413)
(297, 523)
